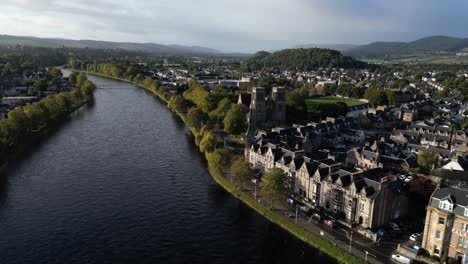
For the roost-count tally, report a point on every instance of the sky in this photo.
(237, 25)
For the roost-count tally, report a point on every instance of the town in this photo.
(380, 152)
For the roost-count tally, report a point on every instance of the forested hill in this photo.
(302, 59)
(427, 44)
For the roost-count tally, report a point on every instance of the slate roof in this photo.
(458, 196)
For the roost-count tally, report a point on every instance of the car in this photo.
(399, 258)
(394, 226)
(402, 177)
(306, 210)
(330, 223)
(316, 216)
(415, 237)
(409, 178)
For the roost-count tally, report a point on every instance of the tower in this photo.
(257, 107)
(279, 97)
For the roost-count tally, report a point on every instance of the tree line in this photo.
(23, 123)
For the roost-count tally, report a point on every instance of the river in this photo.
(121, 181)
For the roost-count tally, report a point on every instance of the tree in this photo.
(391, 97)
(378, 98)
(196, 118)
(80, 79)
(88, 89)
(234, 122)
(427, 160)
(295, 106)
(240, 171)
(220, 112)
(72, 77)
(55, 73)
(274, 185)
(208, 142)
(177, 103)
(220, 158)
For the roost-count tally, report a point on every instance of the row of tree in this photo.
(22, 123)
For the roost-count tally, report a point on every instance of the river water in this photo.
(121, 181)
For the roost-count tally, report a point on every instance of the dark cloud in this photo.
(242, 25)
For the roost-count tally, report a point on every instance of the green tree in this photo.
(274, 185)
(220, 158)
(19, 120)
(88, 89)
(196, 118)
(240, 171)
(80, 79)
(177, 103)
(378, 98)
(295, 106)
(55, 73)
(208, 142)
(391, 97)
(427, 160)
(234, 122)
(72, 78)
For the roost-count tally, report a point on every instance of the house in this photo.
(446, 226)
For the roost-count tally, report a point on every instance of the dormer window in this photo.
(466, 212)
(445, 205)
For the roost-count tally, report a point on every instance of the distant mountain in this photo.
(338, 47)
(302, 59)
(152, 48)
(427, 44)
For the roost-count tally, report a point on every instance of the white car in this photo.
(409, 178)
(415, 237)
(394, 226)
(402, 177)
(401, 258)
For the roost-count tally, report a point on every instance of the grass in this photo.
(314, 102)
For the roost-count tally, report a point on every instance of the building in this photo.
(264, 109)
(446, 227)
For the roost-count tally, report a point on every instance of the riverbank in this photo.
(314, 240)
(33, 122)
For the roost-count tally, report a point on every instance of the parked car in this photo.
(306, 210)
(409, 178)
(394, 226)
(316, 216)
(401, 258)
(330, 223)
(415, 237)
(402, 177)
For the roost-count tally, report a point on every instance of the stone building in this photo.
(264, 109)
(446, 227)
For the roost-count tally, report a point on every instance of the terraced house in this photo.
(446, 227)
(369, 199)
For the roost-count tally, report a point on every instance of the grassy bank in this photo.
(312, 239)
(314, 102)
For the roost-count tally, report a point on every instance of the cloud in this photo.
(242, 25)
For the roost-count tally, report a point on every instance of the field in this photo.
(314, 102)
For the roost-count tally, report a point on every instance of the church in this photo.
(264, 110)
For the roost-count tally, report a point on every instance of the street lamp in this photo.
(367, 253)
(350, 241)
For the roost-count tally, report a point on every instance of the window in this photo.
(361, 207)
(466, 212)
(466, 243)
(441, 221)
(436, 249)
(438, 235)
(462, 227)
(445, 205)
(460, 241)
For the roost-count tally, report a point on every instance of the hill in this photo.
(338, 47)
(152, 48)
(424, 45)
(302, 59)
